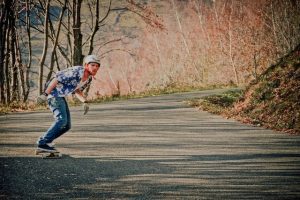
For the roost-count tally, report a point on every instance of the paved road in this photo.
(150, 148)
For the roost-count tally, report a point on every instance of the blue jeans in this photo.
(62, 123)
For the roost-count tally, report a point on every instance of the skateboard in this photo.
(49, 155)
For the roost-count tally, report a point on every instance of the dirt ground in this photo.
(149, 148)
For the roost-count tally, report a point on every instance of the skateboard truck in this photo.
(47, 154)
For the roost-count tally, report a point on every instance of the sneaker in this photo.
(46, 148)
(51, 144)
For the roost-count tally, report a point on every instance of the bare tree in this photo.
(28, 66)
(231, 56)
(21, 21)
(55, 41)
(97, 24)
(77, 48)
(3, 23)
(198, 74)
(43, 57)
(14, 67)
(6, 58)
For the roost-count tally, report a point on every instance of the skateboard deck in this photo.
(48, 155)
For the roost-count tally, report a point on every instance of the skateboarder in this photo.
(69, 81)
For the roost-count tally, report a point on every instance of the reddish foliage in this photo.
(205, 42)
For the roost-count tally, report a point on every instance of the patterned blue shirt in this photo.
(68, 81)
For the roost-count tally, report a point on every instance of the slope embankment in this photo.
(274, 99)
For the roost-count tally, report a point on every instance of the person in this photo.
(69, 81)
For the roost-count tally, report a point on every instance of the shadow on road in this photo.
(150, 148)
(152, 177)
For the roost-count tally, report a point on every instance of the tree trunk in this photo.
(55, 42)
(163, 76)
(95, 29)
(19, 64)
(3, 24)
(204, 31)
(6, 66)
(77, 50)
(230, 47)
(98, 21)
(43, 58)
(28, 31)
(198, 75)
(14, 68)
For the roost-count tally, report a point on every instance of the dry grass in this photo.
(273, 101)
(31, 106)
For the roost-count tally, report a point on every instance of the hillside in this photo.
(272, 101)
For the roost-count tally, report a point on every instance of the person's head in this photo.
(91, 64)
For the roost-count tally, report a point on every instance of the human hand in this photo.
(85, 108)
(41, 99)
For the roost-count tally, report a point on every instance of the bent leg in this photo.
(68, 122)
(61, 114)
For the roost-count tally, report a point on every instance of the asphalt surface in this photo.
(149, 148)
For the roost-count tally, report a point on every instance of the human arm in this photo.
(51, 86)
(79, 95)
(43, 97)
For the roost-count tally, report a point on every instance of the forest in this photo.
(143, 44)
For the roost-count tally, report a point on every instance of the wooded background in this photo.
(143, 44)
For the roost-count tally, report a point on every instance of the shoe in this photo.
(46, 148)
(51, 144)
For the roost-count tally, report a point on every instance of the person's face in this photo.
(93, 68)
